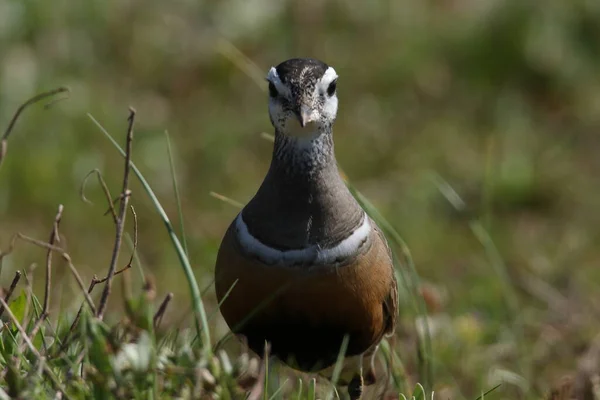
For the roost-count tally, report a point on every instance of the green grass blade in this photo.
(488, 392)
(266, 381)
(425, 350)
(177, 195)
(276, 393)
(299, 389)
(136, 258)
(511, 300)
(419, 392)
(337, 370)
(312, 389)
(199, 310)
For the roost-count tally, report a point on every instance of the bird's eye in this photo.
(331, 88)
(272, 90)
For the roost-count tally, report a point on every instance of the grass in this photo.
(87, 357)
(498, 98)
(201, 320)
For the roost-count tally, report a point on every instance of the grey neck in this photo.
(303, 201)
(303, 157)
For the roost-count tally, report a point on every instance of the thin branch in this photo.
(112, 207)
(96, 281)
(54, 237)
(161, 310)
(93, 284)
(51, 103)
(22, 107)
(104, 189)
(11, 289)
(121, 218)
(67, 258)
(36, 328)
(135, 236)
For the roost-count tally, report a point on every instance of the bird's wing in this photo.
(390, 303)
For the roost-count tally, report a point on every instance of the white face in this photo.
(302, 107)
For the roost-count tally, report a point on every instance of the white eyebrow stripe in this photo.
(329, 76)
(273, 77)
(313, 254)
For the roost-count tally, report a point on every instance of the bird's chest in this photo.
(304, 312)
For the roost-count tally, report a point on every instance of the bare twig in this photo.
(11, 247)
(93, 283)
(51, 104)
(54, 237)
(36, 328)
(126, 281)
(121, 217)
(161, 310)
(96, 281)
(66, 257)
(135, 235)
(22, 107)
(104, 189)
(28, 290)
(111, 209)
(11, 289)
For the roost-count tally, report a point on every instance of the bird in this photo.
(303, 267)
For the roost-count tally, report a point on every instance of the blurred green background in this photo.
(499, 98)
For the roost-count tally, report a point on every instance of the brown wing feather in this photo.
(390, 304)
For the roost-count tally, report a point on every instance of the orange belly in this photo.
(304, 313)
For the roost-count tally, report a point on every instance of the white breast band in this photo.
(312, 254)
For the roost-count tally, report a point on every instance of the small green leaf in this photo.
(14, 381)
(419, 392)
(38, 340)
(9, 344)
(99, 347)
(18, 306)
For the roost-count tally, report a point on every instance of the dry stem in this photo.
(22, 107)
(161, 310)
(104, 189)
(54, 237)
(125, 193)
(11, 289)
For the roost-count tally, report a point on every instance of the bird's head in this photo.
(302, 97)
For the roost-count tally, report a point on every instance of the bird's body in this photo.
(305, 264)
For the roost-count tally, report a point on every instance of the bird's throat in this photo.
(307, 154)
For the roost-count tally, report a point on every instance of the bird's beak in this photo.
(304, 115)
